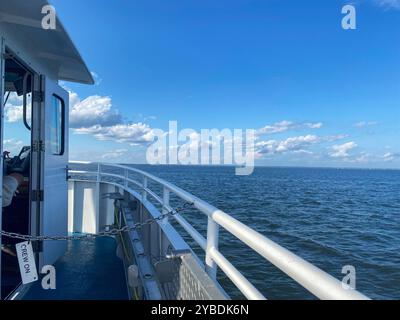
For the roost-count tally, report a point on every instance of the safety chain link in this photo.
(105, 233)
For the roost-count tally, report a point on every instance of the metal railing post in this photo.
(98, 173)
(97, 195)
(144, 198)
(165, 205)
(166, 194)
(144, 192)
(212, 243)
(126, 177)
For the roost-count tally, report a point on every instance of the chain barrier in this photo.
(111, 232)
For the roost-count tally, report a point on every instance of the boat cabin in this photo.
(33, 61)
(112, 231)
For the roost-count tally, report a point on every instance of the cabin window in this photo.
(57, 126)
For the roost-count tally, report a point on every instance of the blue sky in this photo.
(321, 95)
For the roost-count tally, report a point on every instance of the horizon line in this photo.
(262, 166)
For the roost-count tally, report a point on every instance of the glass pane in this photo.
(57, 126)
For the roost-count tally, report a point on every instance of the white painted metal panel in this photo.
(88, 211)
(85, 208)
(71, 185)
(54, 215)
(2, 48)
(106, 208)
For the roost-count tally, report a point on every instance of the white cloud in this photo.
(316, 125)
(13, 113)
(285, 125)
(303, 152)
(114, 155)
(336, 137)
(388, 3)
(13, 109)
(14, 99)
(342, 150)
(389, 156)
(276, 128)
(12, 145)
(363, 157)
(134, 134)
(92, 111)
(96, 78)
(363, 124)
(95, 116)
(299, 143)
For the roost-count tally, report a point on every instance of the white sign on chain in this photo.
(26, 260)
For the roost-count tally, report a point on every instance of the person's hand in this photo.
(8, 250)
(18, 177)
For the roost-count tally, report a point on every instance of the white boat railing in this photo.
(315, 280)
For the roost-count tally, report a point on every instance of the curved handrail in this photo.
(315, 280)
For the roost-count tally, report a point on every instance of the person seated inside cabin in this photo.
(11, 183)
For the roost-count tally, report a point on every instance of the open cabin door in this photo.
(54, 184)
(2, 65)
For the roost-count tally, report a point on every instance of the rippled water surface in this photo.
(330, 217)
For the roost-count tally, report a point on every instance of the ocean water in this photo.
(330, 217)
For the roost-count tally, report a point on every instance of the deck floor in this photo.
(90, 270)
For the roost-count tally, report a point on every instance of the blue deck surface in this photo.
(90, 270)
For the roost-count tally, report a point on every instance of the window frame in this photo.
(62, 149)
